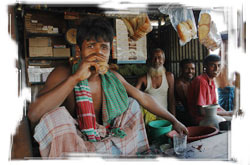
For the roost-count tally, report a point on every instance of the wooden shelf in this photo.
(44, 17)
(44, 34)
(48, 58)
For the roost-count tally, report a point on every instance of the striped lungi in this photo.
(58, 135)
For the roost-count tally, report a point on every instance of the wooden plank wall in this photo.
(169, 42)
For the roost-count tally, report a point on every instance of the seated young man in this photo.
(108, 122)
(202, 90)
(182, 83)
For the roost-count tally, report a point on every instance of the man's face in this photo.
(157, 60)
(213, 69)
(188, 71)
(95, 47)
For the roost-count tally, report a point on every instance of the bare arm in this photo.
(58, 86)
(171, 97)
(56, 89)
(223, 112)
(150, 104)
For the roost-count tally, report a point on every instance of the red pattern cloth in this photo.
(86, 114)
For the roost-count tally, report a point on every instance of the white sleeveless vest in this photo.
(160, 94)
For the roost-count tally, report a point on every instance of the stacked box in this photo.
(61, 52)
(40, 47)
(39, 41)
(29, 26)
(41, 51)
(34, 26)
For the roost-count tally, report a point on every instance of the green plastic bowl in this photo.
(158, 128)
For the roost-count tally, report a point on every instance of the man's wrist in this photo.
(74, 79)
(174, 121)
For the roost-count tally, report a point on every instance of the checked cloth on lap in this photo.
(114, 104)
(58, 136)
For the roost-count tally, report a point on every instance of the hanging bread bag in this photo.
(207, 31)
(182, 19)
(138, 26)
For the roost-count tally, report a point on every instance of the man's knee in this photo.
(55, 120)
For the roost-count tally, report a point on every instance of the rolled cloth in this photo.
(115, 102)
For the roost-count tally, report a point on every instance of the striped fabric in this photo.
(85, 111)
(58, 136)
(115, 97)
(114, 104)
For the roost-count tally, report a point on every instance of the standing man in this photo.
(85, 107)
(182, 83)
(159, 84)
(202, 90)
(226, 88)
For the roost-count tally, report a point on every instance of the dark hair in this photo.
(186, 61)
(94, 27)
(211, 58)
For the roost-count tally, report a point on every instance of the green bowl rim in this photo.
(154, 121)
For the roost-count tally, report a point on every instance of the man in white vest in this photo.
(158, 83)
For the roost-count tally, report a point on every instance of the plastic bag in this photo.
(182, 19)
(207, 31)
(138, 26)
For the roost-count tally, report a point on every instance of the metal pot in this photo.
(211, 118)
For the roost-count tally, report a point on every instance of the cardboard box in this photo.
(40, 41)
(61, 52)
(40, 51)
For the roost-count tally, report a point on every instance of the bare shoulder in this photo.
(169, 74)
(130, 89)
(178, 81)
(58, 75)
(119, 76)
